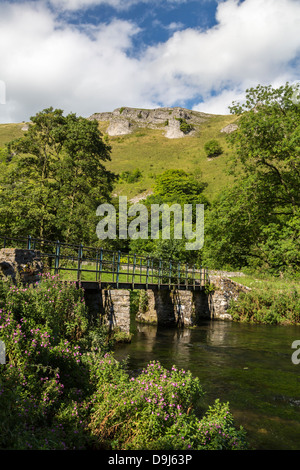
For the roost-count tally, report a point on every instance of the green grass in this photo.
(272, 301)
(88, 274)
(10, 132)
(257, 282)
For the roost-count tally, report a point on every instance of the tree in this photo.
(213, 148)
(53, 179)
(178, 186)
(256, 222)
(267, 143)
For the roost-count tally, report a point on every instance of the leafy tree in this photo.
(256, 222)
(53, 178)
(213, 148)
(267, 143)
(178, 186)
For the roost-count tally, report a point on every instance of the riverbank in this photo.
(271, 300)
(62, 388)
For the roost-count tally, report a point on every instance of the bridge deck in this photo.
(92, 285)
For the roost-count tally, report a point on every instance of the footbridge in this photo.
(170, 293)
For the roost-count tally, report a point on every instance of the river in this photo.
(249, 366)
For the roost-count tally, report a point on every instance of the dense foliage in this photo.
(256, 222)
(173, 187)
(61, 387)
(53, 178)
(268, 306)
(156, 411)
(213, 148)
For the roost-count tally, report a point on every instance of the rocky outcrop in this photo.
(119, 127)
(173, 130)
(125, 120)
(229, 129)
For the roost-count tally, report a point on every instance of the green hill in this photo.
(152, 153)
(148, 149)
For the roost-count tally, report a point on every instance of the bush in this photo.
(213, 148)
(131, 176)
(45, 385)
(267, 306)
(184, 126)
(156, 410)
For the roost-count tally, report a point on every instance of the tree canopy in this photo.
(53, 178)
(256, 222)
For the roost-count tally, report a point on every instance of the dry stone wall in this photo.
(224, 290)
(26, 264)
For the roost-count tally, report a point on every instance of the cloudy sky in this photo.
(87, 56)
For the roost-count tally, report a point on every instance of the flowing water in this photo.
(249, 366)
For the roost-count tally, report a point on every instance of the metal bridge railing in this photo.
(82, 263)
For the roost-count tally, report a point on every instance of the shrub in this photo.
(213, 148)
(131, 176)
(184, 126)
(58, 306)
(45, 385)
(156, 410)
(267, 306)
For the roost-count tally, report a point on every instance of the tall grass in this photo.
(271, 301)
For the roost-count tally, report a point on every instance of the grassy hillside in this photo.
(9, 132)
(153, 153)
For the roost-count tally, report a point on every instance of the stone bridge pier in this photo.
(113, 306)
(189, 307)
(168, 308)
(179, 308)
(172, 307)
(162, 307)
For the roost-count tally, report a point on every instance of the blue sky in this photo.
(87, 56)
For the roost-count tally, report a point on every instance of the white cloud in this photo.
(219, 104)
(253, 42)
(71, 5)
(47, 62)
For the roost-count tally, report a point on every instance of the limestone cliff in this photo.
(175, 122)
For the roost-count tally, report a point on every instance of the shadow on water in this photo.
(248, 366)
